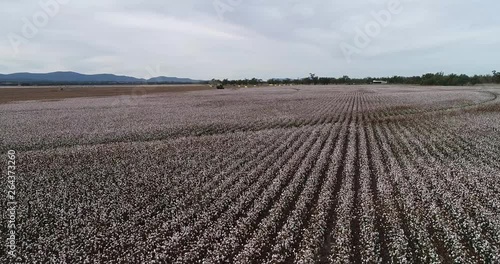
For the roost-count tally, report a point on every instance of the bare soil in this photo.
(55, 93)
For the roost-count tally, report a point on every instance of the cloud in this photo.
(163, 24)
(261, 39)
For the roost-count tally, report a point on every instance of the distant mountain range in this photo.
(73, 77)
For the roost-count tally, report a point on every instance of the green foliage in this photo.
(439, 79)
(496, 77)
(217, 83)
(314, 78)
(447, 80)
(253, 81)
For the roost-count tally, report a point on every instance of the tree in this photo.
(314, 79)
(463, 79)
(324, 80)
(345, 79)
(427, 79)
(475, 80)
(216, 83)
(496, 77)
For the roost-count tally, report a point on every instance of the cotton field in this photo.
(299, 174)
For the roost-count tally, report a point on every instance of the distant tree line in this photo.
(253, 81)
(439, 78)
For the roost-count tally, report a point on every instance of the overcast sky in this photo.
(250, 38)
